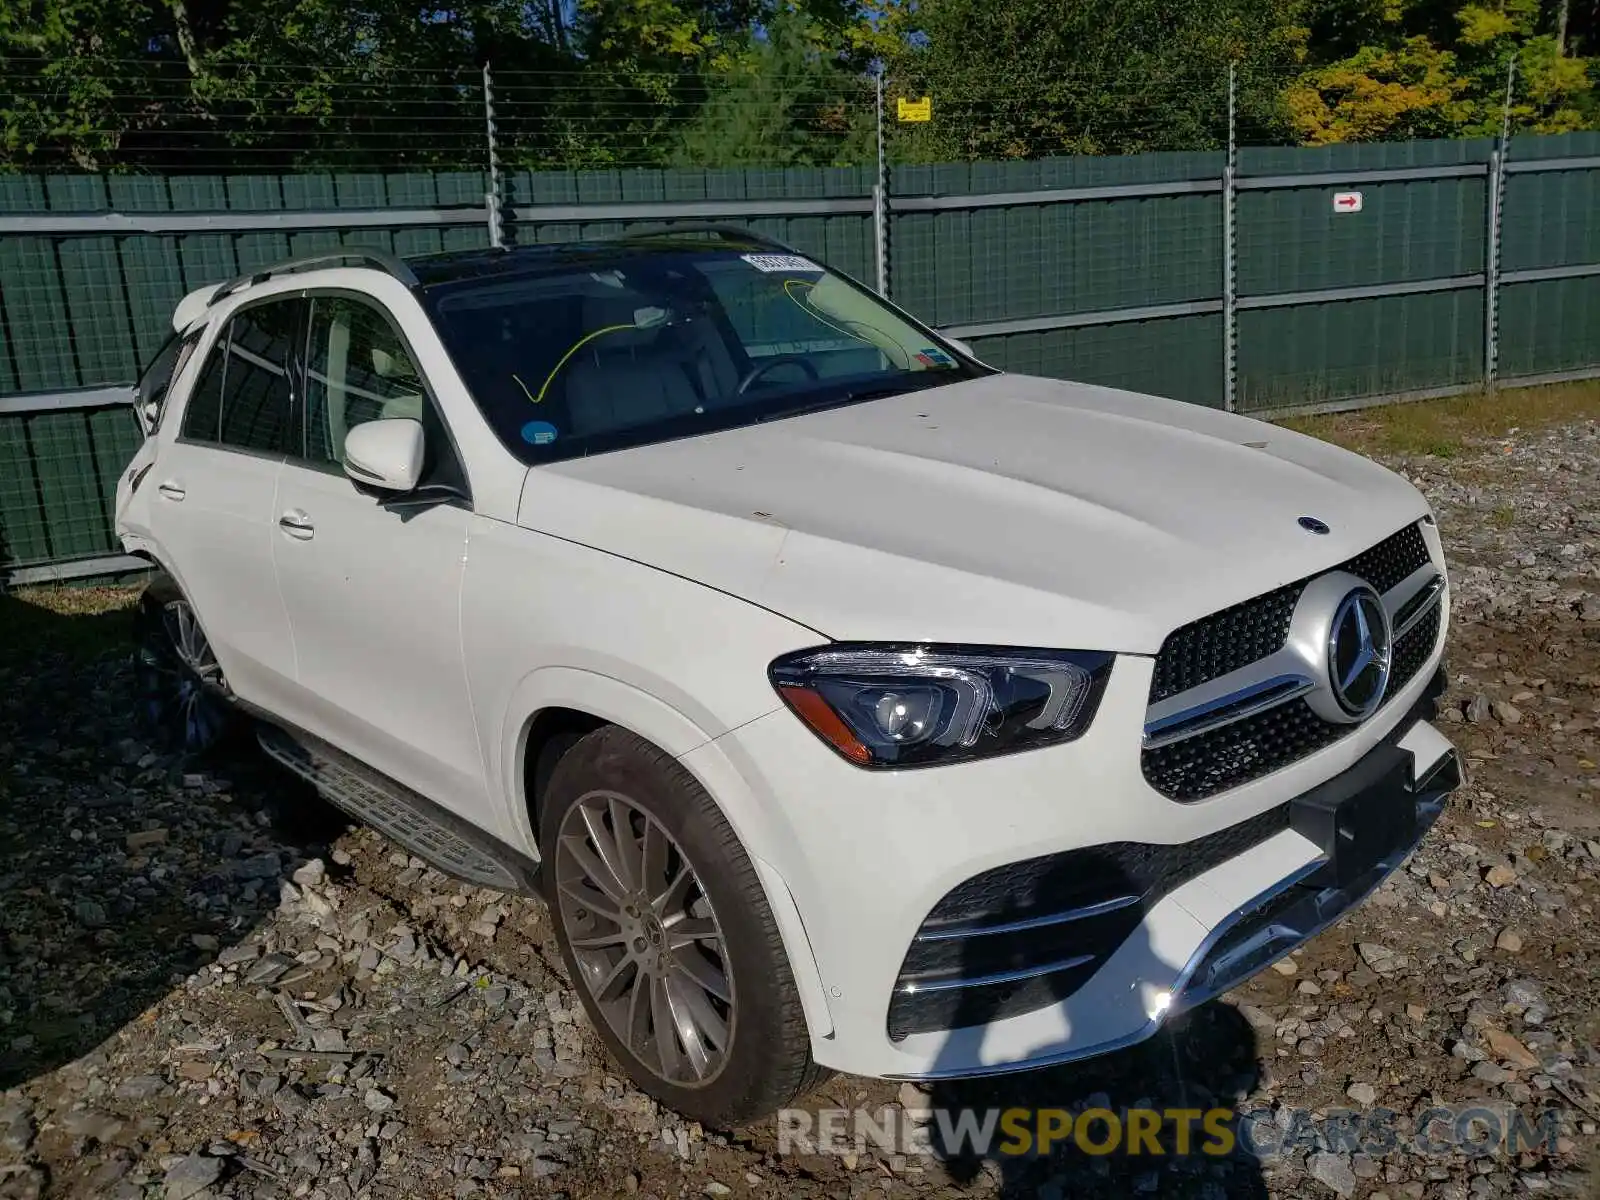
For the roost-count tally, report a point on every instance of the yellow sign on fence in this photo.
(916, 110)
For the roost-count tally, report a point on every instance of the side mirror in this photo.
(385, 454)
(148, 412)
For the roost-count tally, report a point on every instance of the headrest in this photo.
(387, 365)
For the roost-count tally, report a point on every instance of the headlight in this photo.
(907, 705)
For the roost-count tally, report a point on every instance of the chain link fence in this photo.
(1200, 263)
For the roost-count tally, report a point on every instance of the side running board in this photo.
(433, 833)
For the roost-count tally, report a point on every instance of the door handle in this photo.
(297, 524)
(171, 490)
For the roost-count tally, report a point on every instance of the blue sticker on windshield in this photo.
(932, 357)
(539, 433)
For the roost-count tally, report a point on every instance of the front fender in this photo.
(602, 696)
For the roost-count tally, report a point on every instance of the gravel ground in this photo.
(210, 987)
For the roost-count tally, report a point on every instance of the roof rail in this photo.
(731, 232)
(380, 260)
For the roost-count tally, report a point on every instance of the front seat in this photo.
(624, 379)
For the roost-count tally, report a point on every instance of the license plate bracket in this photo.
(1359, 817)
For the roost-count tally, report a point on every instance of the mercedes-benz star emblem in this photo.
(1313, 525)
(1358, 652)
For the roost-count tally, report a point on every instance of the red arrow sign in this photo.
(1344, 202)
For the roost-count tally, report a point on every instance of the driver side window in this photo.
(357, 370)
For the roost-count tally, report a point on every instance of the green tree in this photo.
(1024, 78)
(1421, 68)
(787, 98)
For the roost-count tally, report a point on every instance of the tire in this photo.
(677, 942)
(183, 697)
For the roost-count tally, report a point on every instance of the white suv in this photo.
(852, 704)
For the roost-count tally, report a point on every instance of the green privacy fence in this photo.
(1254, 283)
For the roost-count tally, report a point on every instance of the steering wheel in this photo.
(777, 360)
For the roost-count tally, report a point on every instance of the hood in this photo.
(1006, 510)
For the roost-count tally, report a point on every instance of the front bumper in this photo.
(868, 857)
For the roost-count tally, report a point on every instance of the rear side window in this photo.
(163, 369)
(256, 393)
(202, 416)
(244, 396)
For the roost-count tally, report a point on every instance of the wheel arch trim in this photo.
(620, 703)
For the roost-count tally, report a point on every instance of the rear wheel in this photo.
(183, 695)
(667, 935)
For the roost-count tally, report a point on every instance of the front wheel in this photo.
(183, 696)
(667, 935)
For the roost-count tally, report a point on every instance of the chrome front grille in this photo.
(1229, 700)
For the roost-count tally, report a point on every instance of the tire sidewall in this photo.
(611, 759)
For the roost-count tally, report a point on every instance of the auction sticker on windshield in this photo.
(780, 262)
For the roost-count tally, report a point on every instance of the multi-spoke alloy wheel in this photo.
(646, 939)
(666, 933)
(181, 686)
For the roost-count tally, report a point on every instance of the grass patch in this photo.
(1446, 428)
(80, 622)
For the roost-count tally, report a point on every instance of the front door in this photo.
(373, 583)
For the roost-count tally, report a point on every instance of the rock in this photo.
(269, 969)
(235, 956)
(311, 874)
(1379, 957)
(16, 1130)
(257, 866)
(377, 1100)
(1500, 875)
(911, 1097)
(1524, 993)
(1491, 1072)
(1509, 940)
(1506, 1047)
(717, 1189)
(140, 1087)
(90, 913)
(289, 1102)
(1285, 966)
(22, 1183)
(1478, 709)
(1589, 608)
(1333, 1171)
(206, 942)
(191, 1175)
(1363, 1094)
(92, 1124)
(138, 843)
(1506, 713)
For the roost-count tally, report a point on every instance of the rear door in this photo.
(372, 582)
(214, 485)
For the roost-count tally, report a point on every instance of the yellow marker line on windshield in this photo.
(571, 350)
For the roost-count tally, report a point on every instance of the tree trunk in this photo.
(1561, 27)
(186, 42)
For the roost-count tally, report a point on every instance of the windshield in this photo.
(644, 343)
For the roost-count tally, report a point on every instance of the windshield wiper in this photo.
(854, 395)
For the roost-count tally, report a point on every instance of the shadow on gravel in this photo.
(1201, 1061)
(122, 869)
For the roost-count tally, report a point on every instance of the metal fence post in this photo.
(492, 197)
(1230, 288)
(880, 203)
(1495, 196)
